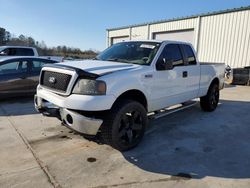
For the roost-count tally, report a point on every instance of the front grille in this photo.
(55, 81)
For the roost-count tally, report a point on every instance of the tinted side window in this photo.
(189, 54)
(12, 51)
(9, 68)
(13, 67)
(24, 52)
(37, 65)
(23, 66)
(173, 53)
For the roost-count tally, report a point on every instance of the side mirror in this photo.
(169, 64)
(3, 53)
(163, 64)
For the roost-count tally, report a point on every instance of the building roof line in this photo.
(183, 18)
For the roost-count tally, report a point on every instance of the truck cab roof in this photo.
(159, 41)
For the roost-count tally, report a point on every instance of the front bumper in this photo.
(71, 119)
(78, 102)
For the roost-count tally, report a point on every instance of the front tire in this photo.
(210, 102)
(124, 125)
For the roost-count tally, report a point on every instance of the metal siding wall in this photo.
(117, 33)
(173, 26)
(183, 35)
(139, 33)
(225, 38)
(221, 38)
(246, 53)
(115, 40)
(120, 32)
(186, 24)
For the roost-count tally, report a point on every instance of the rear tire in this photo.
(124, 125)
(209, 102)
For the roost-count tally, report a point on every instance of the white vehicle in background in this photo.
(54, 58)
(114, 93)
(25, 51)
(18, 51)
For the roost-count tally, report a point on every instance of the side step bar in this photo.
(170, 110)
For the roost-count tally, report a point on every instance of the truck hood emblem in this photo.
(52, 80)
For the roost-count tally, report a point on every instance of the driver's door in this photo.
(169, 86)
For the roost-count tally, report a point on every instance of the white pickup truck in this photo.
(114, 93)
(6, 51)
(18, 51)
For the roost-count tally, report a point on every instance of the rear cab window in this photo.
(189, 54)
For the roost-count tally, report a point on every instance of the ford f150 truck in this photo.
(114, 93)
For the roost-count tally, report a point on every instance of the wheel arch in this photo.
(133, 94)
(214, 81)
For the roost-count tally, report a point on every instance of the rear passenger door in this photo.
(193, 71)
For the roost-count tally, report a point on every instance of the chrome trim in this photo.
(37, 103)
(63, 71)
(80, 123)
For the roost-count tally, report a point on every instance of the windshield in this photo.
(131, 52)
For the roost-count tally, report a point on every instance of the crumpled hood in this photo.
(99, 67)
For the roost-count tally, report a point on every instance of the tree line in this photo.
(6, 38)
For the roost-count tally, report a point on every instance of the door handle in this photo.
(184, 74)
(148, 76)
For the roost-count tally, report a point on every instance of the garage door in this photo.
(119, 39)
(185, 36)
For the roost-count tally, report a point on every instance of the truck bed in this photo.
(210, 70)
(212, 63)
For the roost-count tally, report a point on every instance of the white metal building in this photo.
(222, 36)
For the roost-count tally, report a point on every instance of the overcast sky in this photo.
(83, 23)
